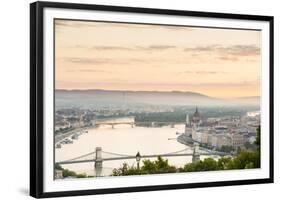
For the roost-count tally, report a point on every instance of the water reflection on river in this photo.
(123, 140)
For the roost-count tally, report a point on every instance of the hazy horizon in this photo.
(174, 91)
(219, 63)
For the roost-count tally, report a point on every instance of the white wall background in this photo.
(14, 101)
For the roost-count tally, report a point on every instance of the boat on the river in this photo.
(74, 137)
(68, 141)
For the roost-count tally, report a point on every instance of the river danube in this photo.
(123, 140)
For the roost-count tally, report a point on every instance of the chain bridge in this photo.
(99, 155)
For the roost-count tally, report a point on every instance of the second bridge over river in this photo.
(113, 121)
(130, 120)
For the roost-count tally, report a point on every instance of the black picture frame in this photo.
(37, 97)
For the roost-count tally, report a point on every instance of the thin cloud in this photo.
(208, 72)
(240, 50)
(77, 60)
(122, 48)
(156, 47)
(230, 84)
(103, 61)
(230, 53)
(228, 58)
(100, 48)
(203, 72)
(208, 84)
(88, 70)
(209, 48)
(111, 48)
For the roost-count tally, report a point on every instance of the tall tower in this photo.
(187, 122)
(187, 130)
(196, 119)
(196, 154)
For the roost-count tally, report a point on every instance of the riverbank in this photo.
(184, 139)
(62, 136)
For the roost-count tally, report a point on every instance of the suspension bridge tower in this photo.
(196, 153)
(98, 161)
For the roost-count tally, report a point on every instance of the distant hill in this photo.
(117, 98)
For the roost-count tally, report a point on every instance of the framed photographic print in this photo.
(127, 99)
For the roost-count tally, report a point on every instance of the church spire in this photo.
(196, 113)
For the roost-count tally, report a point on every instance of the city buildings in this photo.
(213, 132)
(229, 131)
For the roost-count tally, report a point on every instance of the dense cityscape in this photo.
(225, 133)
(231, 134)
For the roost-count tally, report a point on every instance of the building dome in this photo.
(196, 117)
(196, 114)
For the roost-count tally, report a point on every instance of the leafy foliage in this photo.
(68, 173)
(158, 166)
(258, 138)
(245, 160)
(57, 166)
(208, 164)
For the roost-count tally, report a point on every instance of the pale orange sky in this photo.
(222, 63)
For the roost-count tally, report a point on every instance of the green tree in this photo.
(245, 159)
(149, 167)
(258, 143)
(208, 164)
(81, 175)
(126, 170)
(224, 162)
(258, 139)
(250, 166)
(57, 166)
(68, 173)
